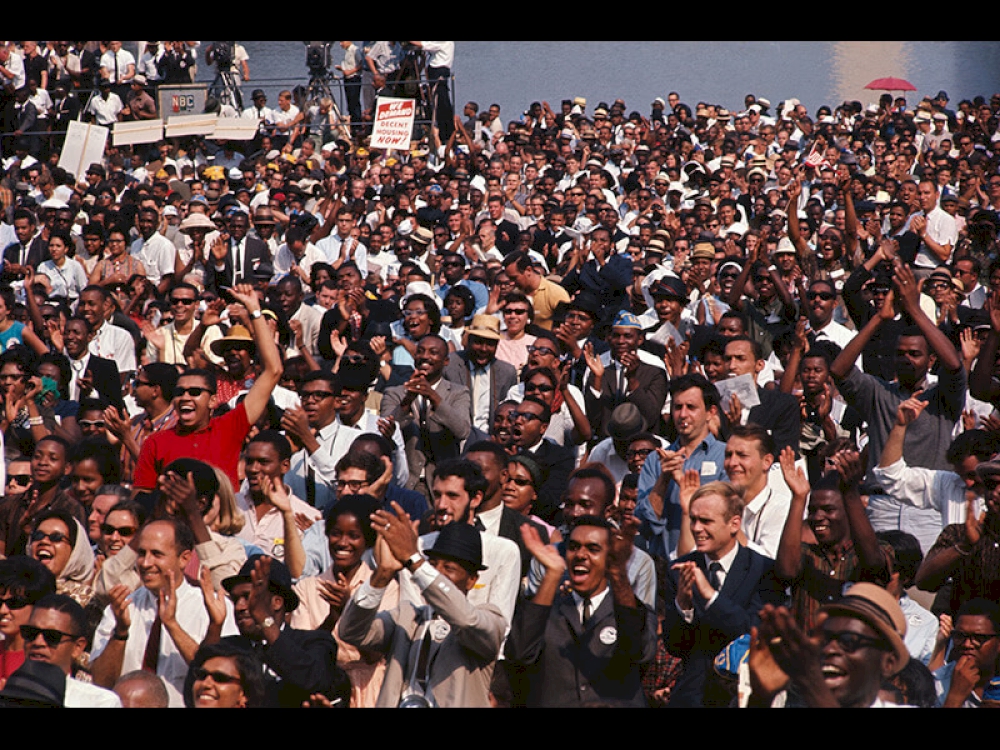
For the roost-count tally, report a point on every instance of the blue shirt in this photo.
(659, 536)
(479, 292)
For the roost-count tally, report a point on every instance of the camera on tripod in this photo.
(318, 59)
(223, 55)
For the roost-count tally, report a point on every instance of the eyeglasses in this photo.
(354, 485)
(938, 285)
(315, 395)
(136, 382)
(542, 350)
(22, 480)
(543, 387)
(825, 296)
(510, 311)
(55, 537)
(520, 481)
(638, 453)
(51, 636)
(413, 313)
(108, 530)
(15, 602)
(976, 640)
(851, 642)
(220, 678)
(527, 416)
(193, 391)
(182, 301)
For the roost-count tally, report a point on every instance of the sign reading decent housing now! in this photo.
(393, 126)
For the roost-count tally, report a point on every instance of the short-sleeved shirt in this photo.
(544, 300)
(219, 444)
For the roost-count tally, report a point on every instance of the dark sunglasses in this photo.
(193, 391)
(541, 350)
(977, 640)
(182, 301)
(51, 636)
(220, 678)
(97, 423)
(527, 416)
(22, 480)
(15, 602)
(107, 529)
(55, 537)
(520, 482)
(543, 387)
(851, 642)
(825, 296)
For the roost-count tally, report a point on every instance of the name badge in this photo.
(608, 635)
(708, 468)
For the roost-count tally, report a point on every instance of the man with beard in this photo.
(477, 368)
(459, 489)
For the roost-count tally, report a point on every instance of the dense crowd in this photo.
(674, 405)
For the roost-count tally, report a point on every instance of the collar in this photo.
(595, 601)
(726, 560)
(759, 501)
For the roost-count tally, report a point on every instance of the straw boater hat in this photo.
(237, 335)
(484, 327)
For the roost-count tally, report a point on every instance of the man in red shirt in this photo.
(216, 441)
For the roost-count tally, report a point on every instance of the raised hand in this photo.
(214, 598)
(335, 593)
(794, 476)
(546, 554)
(910, 409)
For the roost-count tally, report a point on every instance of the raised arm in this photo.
(909, 295)
(788, 562)
(270, 374)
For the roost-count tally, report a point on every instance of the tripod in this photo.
(329, 124)
(226, 89)
(411, 82)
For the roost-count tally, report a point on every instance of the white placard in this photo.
(393, 125)
(178, 127)
(141, 131)
(84, 146)
(236, 128)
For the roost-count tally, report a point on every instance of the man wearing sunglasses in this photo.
(197, 434)
(166, 343)
(56, 634)
(821, 301)
(23, 582)
(843, 663)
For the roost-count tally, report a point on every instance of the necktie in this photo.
(586, 611)
(117, 77)
(311, 479)
(713, 575)
(480, 526)
(152, 653)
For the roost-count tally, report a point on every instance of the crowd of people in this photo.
(607, 405)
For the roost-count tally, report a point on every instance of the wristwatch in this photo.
(255, 314)
(413, 560)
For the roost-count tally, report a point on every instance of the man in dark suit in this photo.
(625, 378)
(477, 368)
(233, 260)
(578, 327)
(432, 412)
(531, 419)
(90, 375)
(583, 647)
(713, 594)
(298, 663)
(29, 250)
(777, 412)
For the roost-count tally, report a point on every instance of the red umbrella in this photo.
(891, 84)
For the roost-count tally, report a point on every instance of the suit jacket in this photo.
(440, 437)
(256, 252)
(780, 414)
(303, 662)
(461, 665)
(510, 528)
(568, 664)
(749, 585)
(38, 252)
(649, 396)
(558, 461)
(503, 377)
